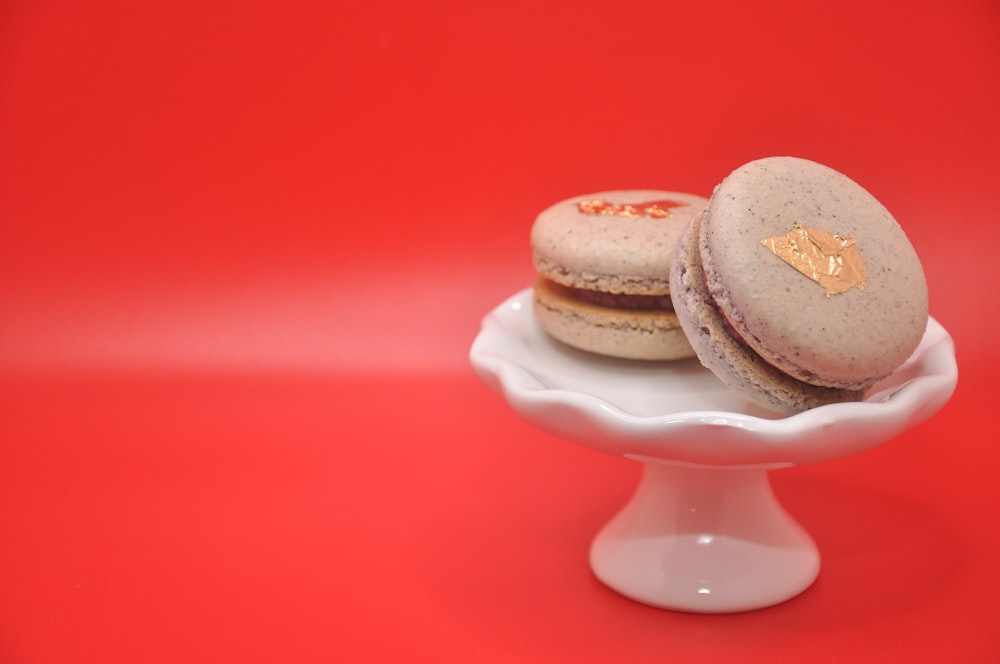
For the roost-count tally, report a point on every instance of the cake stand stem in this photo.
(706, 540)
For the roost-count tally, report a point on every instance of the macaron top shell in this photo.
(846, 340)
(594, 247)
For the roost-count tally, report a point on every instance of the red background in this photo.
(246, 247)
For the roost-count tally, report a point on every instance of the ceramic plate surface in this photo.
(680, 412)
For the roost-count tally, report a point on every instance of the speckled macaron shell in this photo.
(735, 363)
(610, 252)
(848, 340)
(613, 254)
(622, 333)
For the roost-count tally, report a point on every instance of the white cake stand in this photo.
(703, 532)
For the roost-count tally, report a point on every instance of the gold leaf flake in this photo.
(829, 259)
(653, 209)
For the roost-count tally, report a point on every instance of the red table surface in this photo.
(245, 250)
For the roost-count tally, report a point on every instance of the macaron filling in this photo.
(727, 324)
(630, 301)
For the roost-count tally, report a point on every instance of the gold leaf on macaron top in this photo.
(652, 209)
(829, 259)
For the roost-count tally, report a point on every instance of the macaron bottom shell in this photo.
(729, 358)
(622, 333)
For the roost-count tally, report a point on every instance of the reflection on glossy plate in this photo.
(679, 412)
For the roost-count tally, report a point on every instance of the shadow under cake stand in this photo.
(703, 531)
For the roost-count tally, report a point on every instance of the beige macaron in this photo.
(603, 263)
(797, 287)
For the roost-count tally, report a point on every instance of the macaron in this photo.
(796, 287)
(603, 263)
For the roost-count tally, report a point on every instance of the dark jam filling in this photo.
(623, 300)
(725, 321)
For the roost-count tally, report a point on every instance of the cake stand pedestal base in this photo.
(706, 540)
